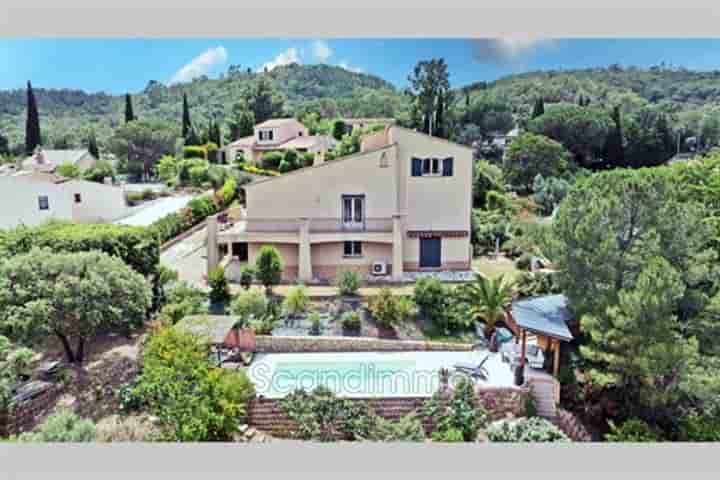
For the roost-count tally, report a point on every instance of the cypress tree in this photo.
(92, 146)
(186, 123)
(32, 124)
(539, 107)
(467, 99)
(614, 152)
(439, 116)
(4, 145)
(129, 114)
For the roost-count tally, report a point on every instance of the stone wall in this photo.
(569, 423)
(274, 344)
(267, 416)
(27, 415)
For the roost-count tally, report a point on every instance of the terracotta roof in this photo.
(276, 122)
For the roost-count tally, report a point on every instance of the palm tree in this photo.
(489, 299)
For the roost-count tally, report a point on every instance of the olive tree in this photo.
(72, 296)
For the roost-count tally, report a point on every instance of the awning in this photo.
(547, 315)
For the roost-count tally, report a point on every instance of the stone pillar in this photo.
(397, 262)
(304, 260)
(319, 158)
(213, 252)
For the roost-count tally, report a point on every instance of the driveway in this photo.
(146, 214)
(189, 258)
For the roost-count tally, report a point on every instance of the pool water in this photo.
(365, 374)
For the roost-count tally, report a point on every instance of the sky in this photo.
(126, 65)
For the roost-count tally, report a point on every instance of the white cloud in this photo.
(321, 51)
(200, 65)
(291, 55)
(505, 51)
(346, 66)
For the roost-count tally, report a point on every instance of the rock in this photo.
(243, 428)
(250, 432)
(154, 420)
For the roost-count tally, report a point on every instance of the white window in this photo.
(431, 166)
(43, 202)
(265, 134)
(353, 207)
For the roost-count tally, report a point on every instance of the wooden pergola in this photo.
(547, 318)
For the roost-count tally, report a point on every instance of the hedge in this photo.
(258, 171)
(134, 245)
(197, 210)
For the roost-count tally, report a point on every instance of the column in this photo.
(304, 260)
(397, 263)
(213, 252)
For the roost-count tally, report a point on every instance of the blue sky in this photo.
(119, 66)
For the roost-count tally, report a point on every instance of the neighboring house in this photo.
(502, 140)
(354, 123)
(277, 134)
(402, 204)
(48, 160)
(34, 197)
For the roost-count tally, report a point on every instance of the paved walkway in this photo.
(155, 210)
(189, 258)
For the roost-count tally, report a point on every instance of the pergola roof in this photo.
(546, 315)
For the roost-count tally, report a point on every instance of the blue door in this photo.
(430, 253)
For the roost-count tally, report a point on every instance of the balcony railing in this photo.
(318, 225)
(322, 225)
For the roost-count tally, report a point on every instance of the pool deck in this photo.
(369, 374)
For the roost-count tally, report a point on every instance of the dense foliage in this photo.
(73, 296)
(525, 429)
(62, 426)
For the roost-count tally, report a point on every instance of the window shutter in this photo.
(416, 167)
(448, 167)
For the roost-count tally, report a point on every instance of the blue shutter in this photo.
(416, 167)
(448, 167)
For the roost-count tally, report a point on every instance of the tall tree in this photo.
(186, 123)
(428, 81)
(263, 100)
(92, 146)
(32, 124)
(129, 113)
(538, 108)
(4, 145)
(241, 121)
(613, 151)
(439, 130)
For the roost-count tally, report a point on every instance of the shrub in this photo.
(228, 192)
(407, 429)
(133, 198)
(271, 160)
(125, 429)
(68, 170)
(633, 430)
(182, 300)
(701, 426)
(247, 273)
(285, 167)
(257, 171)
(532, 284)
(389, 309)
(195, 151)
(265, 324)
(297, 301)
(461, 411)
(534, 429)
(134, 245)
(216, 175)
(268, 267)
(249, 305)
(549, 192)
(350, 321)
(430, 295)
(524, 262)
(348, 282)
(219, 288)
(451, 435)
(98, 173)
(315, 323)
(62, 426)
(307, 159)
(193, 400)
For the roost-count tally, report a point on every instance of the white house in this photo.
(48, 160)
(32, 197)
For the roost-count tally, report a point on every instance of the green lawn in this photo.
(494, 267)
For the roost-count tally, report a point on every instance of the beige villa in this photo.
(402, 204)
(277, 134)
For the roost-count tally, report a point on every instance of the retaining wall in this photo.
(273, 344)
(568, 423)
(24, 416)
(266, 414)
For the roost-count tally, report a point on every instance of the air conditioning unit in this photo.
(379, 268)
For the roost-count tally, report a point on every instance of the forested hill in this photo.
(333, 90)
(674, 90)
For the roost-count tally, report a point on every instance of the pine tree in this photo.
(32, 125)
(186, 123)
(539, 107)
(92, 146)
(129, 114)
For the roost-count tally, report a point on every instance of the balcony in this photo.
(333, 225)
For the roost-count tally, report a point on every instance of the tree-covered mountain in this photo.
(68, 116)
(690, 99)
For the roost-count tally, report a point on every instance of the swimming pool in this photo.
(366, 374)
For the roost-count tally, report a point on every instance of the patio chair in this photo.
(478, 370)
